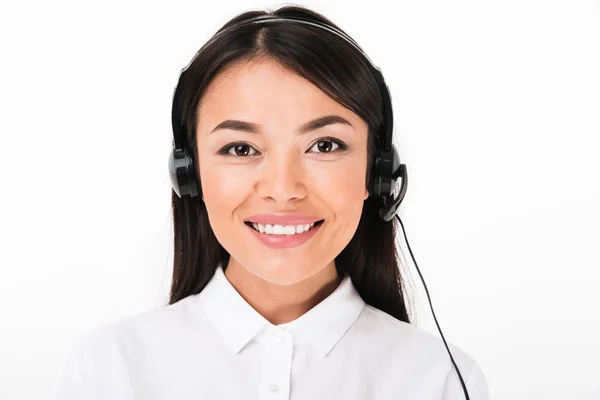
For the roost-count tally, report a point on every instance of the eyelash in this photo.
(341, 147)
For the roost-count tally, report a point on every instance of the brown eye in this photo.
(327, 146)
(324, 145)
(239, 150)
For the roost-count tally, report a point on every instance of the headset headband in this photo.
(385, 133)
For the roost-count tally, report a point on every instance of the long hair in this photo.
(339, 70)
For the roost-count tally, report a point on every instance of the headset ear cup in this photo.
(382, 173)
(390, 182)
(182, 173)
(173, 162)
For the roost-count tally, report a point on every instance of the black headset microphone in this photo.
(390, 176)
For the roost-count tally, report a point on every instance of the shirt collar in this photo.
(238, 322)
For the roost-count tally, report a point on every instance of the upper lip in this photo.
(279, 219)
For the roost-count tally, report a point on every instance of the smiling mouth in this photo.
(248, 223)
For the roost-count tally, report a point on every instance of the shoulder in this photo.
(141, 328)
(101, 362)
(423, 349)
(398, 331)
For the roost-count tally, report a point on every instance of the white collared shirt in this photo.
(214, 345)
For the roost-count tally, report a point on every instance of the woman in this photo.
(286, 282)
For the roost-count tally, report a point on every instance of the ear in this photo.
(366, 193)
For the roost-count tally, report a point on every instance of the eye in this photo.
(340, 145)
(237, 149)
(242, 148)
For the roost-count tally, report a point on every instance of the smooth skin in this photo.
(279, 171)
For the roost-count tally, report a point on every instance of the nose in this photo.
(282, 178)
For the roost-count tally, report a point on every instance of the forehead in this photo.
(260, 86)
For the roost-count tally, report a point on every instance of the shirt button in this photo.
(279, 336)
(273, 387)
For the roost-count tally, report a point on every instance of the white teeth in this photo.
(281, 229)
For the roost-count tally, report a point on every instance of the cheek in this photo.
(221, 183)
(342, 189)
(223, 191)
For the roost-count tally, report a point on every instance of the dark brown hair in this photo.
(338, 69)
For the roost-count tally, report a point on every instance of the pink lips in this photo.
(282, 219)
(285, 241)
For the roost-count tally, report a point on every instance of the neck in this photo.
(282, 304)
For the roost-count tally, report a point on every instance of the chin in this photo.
(282, 273)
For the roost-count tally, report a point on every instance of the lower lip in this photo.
(285, 241)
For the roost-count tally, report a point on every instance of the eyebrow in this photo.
(307, 127)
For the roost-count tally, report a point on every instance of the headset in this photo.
(390, 176)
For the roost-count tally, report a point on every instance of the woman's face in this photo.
(278, 170)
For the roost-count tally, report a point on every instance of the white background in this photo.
(497, 116)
